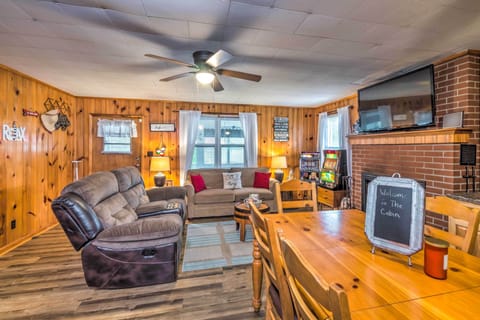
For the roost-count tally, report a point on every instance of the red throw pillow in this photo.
(262, 180)
(198, 183)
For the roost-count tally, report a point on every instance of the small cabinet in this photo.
(330, 198)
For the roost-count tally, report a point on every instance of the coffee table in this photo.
(241, 215)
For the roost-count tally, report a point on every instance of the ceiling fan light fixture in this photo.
(204, 77)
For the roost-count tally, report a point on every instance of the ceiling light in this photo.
(204, 77)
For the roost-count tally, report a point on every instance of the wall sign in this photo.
(162, 127)
(395, 214)
(13, 133)
(280, 129)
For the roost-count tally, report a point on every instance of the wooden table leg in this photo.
(242, 231)
(257, 277)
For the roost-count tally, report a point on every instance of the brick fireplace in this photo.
(429, 155)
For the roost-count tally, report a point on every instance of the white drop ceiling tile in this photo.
(348, 30)
(453, 21)
(62, 45)
(169, 27)
(264, 3)
(24, 27)
(378, 33)
(464, 4)
(239, 35)
(337, 8)
(10, 9)
(43, 11)
(282, 40)
(84, 15)
(127, 6)
(389, 12)
(318, 25)
(343, 47)
(129, 22)
(7, 40)
(264, 18)
(205, 31)
(206, 11)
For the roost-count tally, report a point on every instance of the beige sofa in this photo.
(216, 201)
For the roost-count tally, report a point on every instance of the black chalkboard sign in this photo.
(392, 215)
(395, 214)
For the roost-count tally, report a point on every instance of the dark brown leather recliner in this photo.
(121, 248)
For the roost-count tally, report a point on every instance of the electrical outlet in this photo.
(13, 224)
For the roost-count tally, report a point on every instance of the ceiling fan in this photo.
(205, 67)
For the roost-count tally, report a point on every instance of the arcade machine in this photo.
(310, 166)
(331, 190)
(333, 169)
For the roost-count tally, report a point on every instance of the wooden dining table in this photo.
(379, 285)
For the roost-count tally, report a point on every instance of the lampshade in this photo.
(204, 77)
(279, 162)
(159, 164)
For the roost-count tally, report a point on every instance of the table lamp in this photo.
(159, 164)
(279, 163)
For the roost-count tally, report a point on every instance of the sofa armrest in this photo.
(166, 193)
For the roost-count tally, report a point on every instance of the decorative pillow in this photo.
(232, 180)
(262, 180)
(198, 183)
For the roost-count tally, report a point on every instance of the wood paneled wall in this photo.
(34, 171)
(302, 128)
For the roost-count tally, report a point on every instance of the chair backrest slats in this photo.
(455, 209)
(296, 194)
(313, 297)
(269, 247)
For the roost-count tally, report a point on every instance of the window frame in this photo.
(217, 145)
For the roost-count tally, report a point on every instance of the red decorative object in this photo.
(262, 180)
(30, 113)
(198, 183)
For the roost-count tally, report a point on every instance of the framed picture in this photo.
(162, 127)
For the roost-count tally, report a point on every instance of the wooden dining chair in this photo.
(313, 298)
(278, 301)
(296, 195)
(454, 209)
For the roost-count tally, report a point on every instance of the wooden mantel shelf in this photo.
(433, 136)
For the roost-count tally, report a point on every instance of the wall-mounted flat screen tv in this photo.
(403, 102)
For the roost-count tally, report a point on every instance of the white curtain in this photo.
(116, 128)
(344, 131)
(249, 125)
(322, 134)
(189, 121)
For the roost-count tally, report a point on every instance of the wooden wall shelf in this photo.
(433, 136)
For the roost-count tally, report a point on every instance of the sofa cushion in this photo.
(100, 191)
(242, 194)
(232, 180)
(213, 177)
(215, 196)
(248, 175)
(198, 183)
(152, 228)
(131, 186)
(262, 180)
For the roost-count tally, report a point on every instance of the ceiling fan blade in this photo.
(240, 75)
(171, 60)
(178, 76)
(216, 85)
(219, 58)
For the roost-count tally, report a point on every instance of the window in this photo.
(333, 140)
(117, 135)
(220, 143)
(117, 145)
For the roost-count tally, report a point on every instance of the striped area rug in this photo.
(216, 244)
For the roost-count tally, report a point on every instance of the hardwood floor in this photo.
(43, 279)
